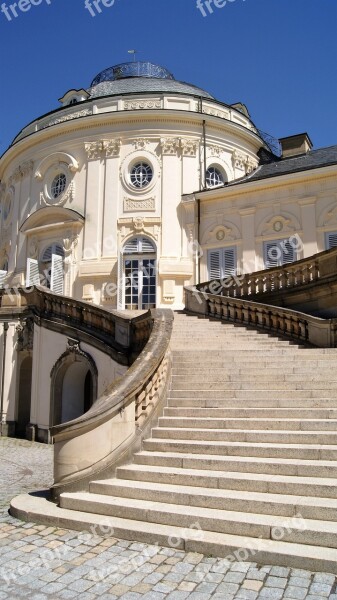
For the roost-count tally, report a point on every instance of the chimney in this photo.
(295, 145)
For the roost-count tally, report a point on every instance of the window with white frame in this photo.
(50, 271)
(279, 252)
(222, 263)
(330, 240)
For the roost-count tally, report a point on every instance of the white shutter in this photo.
(147, 246)
(131, 247)
(331, 240)
(272, 254)
(120, 283)
(214, 264)
(288, 253)
(33, 276)
(2, 277)
(229, 262)
(57, 276)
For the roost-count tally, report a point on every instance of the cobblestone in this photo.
(48, 563)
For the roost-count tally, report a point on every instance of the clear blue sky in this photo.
(276, 56)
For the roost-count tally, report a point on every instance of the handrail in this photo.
(114, 426)
(293, 324)
(299, 273)
(125, 336)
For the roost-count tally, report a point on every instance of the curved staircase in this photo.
(243, 463)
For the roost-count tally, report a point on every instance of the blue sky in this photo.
(276, 56)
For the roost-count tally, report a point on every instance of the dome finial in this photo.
(134, 52)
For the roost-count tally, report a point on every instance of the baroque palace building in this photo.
(131, 190)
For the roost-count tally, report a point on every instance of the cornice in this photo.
(125, 118)
(247, 188)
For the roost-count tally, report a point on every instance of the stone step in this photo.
(310, 532)
(237, 548)
(249, 424)
(254, 383)
(252, 413)
(233, 500)
(253, 393)
(247, 449)
(237, 370)
(241, 435)
(246, 464)
(257, 482)
(254, 400)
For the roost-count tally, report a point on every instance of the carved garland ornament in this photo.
(170, 145)
(103, 148)
(76, 115)
(189, 147)
(142, 104)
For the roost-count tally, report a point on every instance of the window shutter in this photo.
(214, 264)
(147, 246)
(229, 262)
(33, 276)
(331, 240)
(57, 276)
(271, 254)
(288, 253)
(131, 247)
(2, 277)
(120, 283)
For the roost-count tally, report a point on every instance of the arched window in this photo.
(214, 177)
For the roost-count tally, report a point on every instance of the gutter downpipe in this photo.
(5, 329)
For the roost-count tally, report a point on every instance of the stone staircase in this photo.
(246, 451)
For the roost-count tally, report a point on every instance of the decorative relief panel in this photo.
(21, 172)
(243, 162)
(103, 148)
(70, 117)
(215, 151)
(142, 104)
(131, 205)
(189, 147)
(278, 224)
(140, 144)
(170, 145)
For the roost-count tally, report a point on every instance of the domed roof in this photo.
(135, 77)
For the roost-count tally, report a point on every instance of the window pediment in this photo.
(51, 217)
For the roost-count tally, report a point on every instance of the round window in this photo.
(141, 175)
(58, 185)
(213, 177)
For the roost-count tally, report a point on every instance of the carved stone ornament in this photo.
(170, 145)
(103, 148)
(251, 165)
(25, 331)
(140, 144)
(70, 117)
(68, 196)
(331, 218)
(142, 104)
(74, 349)
(69, 243)
(138, 224)
(189, 147)
(239, 160)
(21, 172)
(215, 151)
(278, 224)
(131, 205)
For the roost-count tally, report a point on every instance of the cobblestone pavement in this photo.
(46, 563)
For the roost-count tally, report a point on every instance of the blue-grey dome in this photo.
(138, 77)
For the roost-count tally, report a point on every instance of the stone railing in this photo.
(120, 336)
(113, 429)
(302, 272)
(279, 321)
